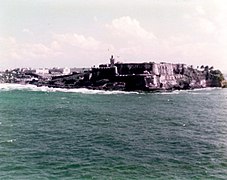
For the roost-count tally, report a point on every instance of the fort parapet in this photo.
(148, 76)
(155, 76)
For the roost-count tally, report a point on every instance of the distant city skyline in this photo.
(54, 33)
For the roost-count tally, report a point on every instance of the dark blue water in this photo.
(98, 135)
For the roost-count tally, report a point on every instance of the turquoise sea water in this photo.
(82, 134)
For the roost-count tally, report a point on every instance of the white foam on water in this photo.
(10, 87)
(206, 91)
(191, 91)
(89, 91)
(11, 140)
(28, 87)
(201, 90)
(169, 92)
(8, 141)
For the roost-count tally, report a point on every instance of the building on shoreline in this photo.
(146, 76)
(151, 75)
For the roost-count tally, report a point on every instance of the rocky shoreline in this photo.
(149, 77)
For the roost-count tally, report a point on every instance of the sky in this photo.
(78, 33)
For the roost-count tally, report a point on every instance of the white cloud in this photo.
(55, 45)
(206, 25)
(8, 48)
(15, 50)
(59, 48)
(77, 40)
(126, 26)
(95, 19)
(197, 36)
(27, 31)
(221, 20)
(200, 10)
(201, 20)
(58, 45)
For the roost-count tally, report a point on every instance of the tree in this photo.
(219, 74)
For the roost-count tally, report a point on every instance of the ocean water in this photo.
(83, 134)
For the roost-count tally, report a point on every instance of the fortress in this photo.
(155, 76)
(148, 76)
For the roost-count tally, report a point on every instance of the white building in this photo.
(66, 71)
(203, 83)
(42, 71)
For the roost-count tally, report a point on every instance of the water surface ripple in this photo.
(74, 135)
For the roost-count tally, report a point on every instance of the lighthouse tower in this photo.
(112, 61)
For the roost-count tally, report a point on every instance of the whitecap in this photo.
(89, 91)
(28, 87)
(192, 91)
(11, 140)
(169, 92)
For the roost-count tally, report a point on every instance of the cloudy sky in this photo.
(78, 33)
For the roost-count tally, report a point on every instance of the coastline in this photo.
(129, 77)
(30, 87)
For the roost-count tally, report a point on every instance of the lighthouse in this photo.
(112, 61)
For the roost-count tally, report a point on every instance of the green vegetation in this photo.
(224, 84)
(220, 77)
(218, 74)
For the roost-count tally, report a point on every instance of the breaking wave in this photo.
(191, 91)
(28, 87)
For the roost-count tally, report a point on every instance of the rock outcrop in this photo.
(129, 77)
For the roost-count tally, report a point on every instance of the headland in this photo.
(147, 76)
